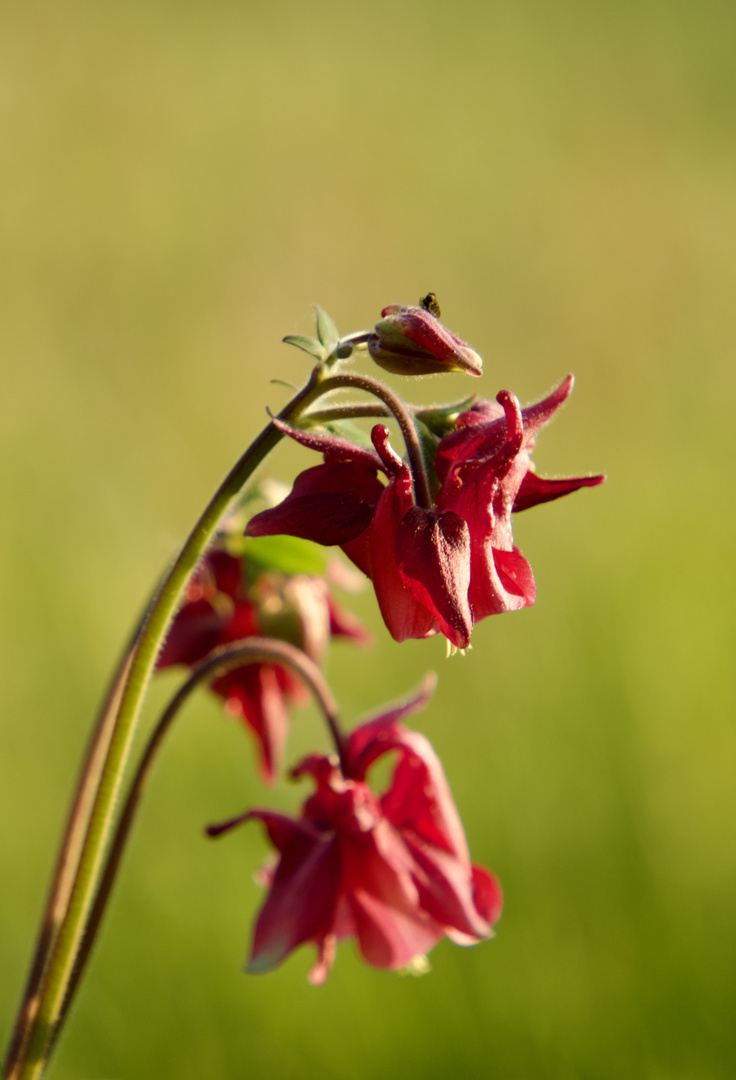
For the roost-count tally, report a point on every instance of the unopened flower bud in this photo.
(411, 341)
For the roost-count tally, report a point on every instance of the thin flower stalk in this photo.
(36, 1040)
(405, 421)
(249, 651)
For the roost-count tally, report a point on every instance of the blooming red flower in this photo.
(393, 871)
(439, 568)
(411, 341)
(220, 609)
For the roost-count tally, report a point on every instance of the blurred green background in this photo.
(180, 181)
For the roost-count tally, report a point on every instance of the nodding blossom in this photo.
(438, 568)
(392, 871)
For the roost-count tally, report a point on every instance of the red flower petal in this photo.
(446, 890)
(404, 615)
(540, 489)
(344, 624)
(194, 633)
(226, 570)
(254, 693)
(384, 732)
(537, 415)
(309, 867)
(333, 447)
(329, 504)
(433, 555)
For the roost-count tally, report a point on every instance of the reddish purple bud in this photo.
(411, 341)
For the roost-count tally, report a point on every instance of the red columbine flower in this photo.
(393, 871)
(445, 567)
(220, 609)
(411, 341)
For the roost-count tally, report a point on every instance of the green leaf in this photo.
(346, 429)
(287, 554)
(441, 418)
(326, 329)
(428, 439)
(306, 344)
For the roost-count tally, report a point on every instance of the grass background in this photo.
(180, 181)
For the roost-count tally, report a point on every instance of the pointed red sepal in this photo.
(329, 504)
(433, 555)
(535, 489)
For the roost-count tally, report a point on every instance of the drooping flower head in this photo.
(391, 870)
(232, 597)
(438, 568)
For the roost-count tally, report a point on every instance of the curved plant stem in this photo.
(356, 411)
(249, 651)
(405, 421)
(67, 862)
(46, 1003)
(68, 858)
(360, 410)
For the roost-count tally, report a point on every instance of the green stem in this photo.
(249, 651)
(356, 411)
(68, 858)
(31, 1063)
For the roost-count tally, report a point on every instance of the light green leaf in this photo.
(307, 344)
(346, 429)
(287, 554)
(326, 329)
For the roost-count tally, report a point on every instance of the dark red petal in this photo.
(480, 438)
(194, 633)
(253, 692)
(333, 447)
(389, 937)
(516, 575)
(317, 765)
(282, 830)
(346, 625)
(500, 581)
(300, 904)
(537, 415)
(540, 489)
(359, 551)
(225, 826)
(419, 798)
(487, 894)
(405, 616)
(481, 412)
(242, 623)
(226, 570)
(391, 926)
(433, 555)
(384, 732)
(481, 430)
(329, 504)
(446, 892)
